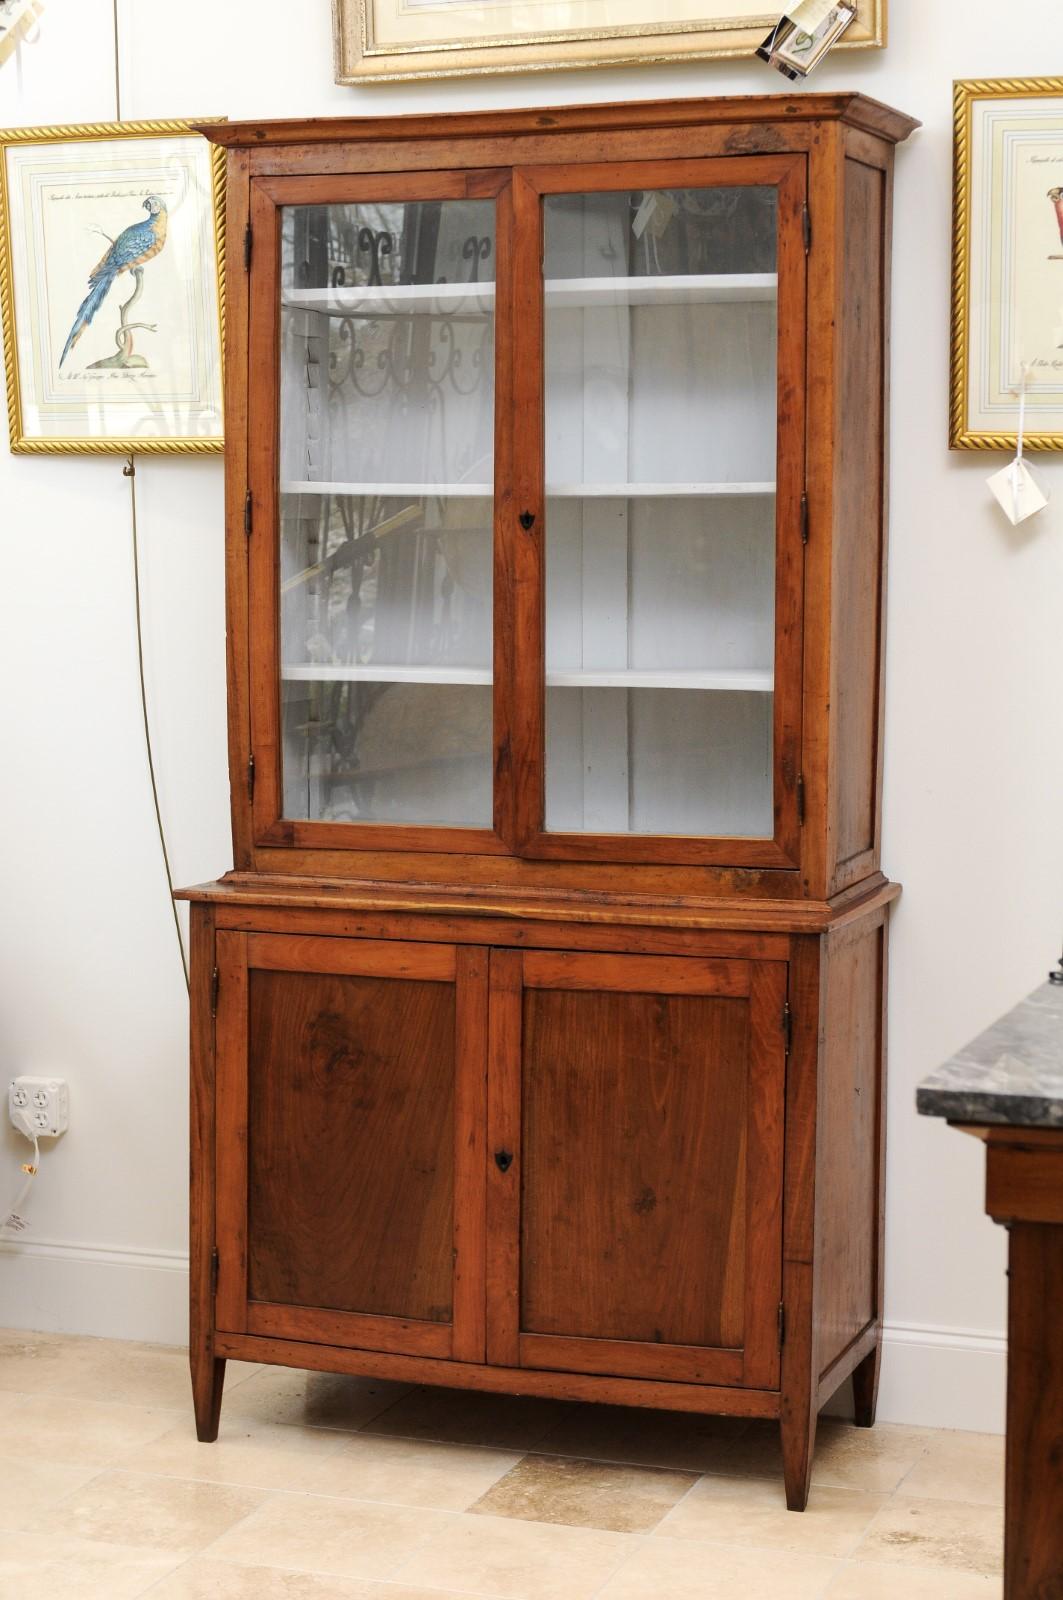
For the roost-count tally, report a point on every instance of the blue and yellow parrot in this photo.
(133, 246)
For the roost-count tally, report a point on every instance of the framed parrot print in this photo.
(111, 255)
(1007, 272)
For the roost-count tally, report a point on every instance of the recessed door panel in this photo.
(351, 1143)
(634, 1130)
(637, 1228)
(352, 1072)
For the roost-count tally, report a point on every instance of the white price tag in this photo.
(1017, 490)
(1014, 487)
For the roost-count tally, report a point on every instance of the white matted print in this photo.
(1008, 265)
(109, 271)
(390, 39)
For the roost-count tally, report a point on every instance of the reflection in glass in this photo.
(660, 545)
(387, 410)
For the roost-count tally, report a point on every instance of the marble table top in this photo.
(1012, 1073)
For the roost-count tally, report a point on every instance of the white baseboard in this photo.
(84, 1288)
(943, 1377)
(931, 1376)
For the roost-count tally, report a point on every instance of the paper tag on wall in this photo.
(1017, 490)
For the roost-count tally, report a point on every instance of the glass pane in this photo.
(386, 495)
(660, 543)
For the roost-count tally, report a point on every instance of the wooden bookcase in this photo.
(537, 1036)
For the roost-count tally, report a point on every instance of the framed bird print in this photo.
(111, 254)
(1007, 275)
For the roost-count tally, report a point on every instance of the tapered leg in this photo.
(865, 1388)
(208, 1377)
(798, 1442)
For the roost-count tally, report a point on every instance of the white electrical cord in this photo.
(13, 1220)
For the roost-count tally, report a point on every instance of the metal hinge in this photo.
(215, 979)
(247, 513)
(214, 1271)
(247, 248)
(806, 227)
(250, 777)
(801, 799)
(787, 1027)
(782, 1324)
(804, 519)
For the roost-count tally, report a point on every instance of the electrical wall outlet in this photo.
(42, 1104)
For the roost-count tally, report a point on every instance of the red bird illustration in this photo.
(1056, 197)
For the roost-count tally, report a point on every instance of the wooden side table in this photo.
(1006, 1088)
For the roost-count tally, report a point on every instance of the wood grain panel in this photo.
(715, 1400)
(230, 1137)
(1033, 1527)
(351, 1143)
(503, 1135)
(236, 390)
(359, 1331)
(849, 1141)
(628, 1358)
(208, 1371)
(470, 1155)
(365, 958)
(634, 1156)
(1024, 1181)
(800, 1365)
(470, 929)
(764, 1188)
(684, 116)
(858, 521)
(556, 969)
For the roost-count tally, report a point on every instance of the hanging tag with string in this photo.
(1014, 486)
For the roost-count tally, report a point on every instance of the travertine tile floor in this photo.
(324, 1488)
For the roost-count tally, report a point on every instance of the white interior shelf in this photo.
(384, 299)
(727, 679)
(393, 491)
(733, 680)
(686, 289)
(655, 491)
(384, 673)
(441, 299)
(554, 491)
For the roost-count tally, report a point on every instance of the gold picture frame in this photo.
(671, 30)
(37, 424)
(1002, 327)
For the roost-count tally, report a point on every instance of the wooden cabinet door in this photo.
(350, 1165)
(635, 1165)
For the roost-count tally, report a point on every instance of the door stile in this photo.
(468, 1341)
(263, 420)
(503, 1139)
(764, 1167)
(506, 720)
(790, 528)
(524, 540)
(231, 1132)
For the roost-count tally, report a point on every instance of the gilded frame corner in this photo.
(966, 91)
(18, 442)
(358, 60)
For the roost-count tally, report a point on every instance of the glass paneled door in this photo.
(384, 477)
(527, 511)
(672, 339)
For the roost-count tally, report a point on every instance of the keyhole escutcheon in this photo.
(503, 1160)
